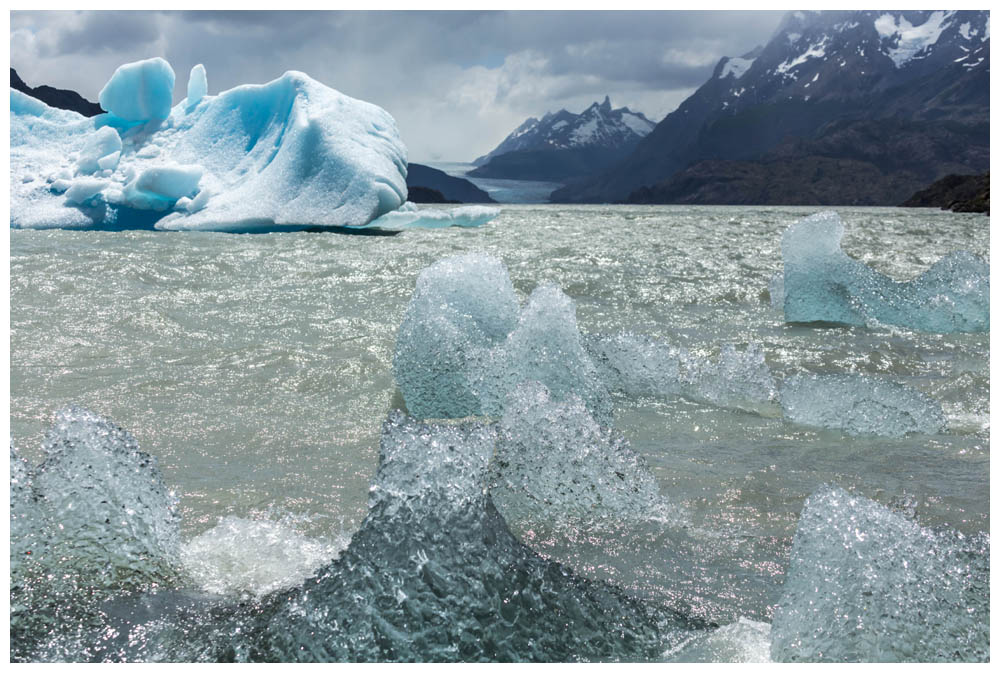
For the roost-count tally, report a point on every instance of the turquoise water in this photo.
(258, 371)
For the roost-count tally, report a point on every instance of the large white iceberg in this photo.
(291, 154)
(822, 284)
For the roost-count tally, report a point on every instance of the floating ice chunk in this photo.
(860, 405)
(413, 218)
(197, 86)
(139, 91)
(434, 574)
(639, 365)
(101, 150)
(546, 347)
(867, 584)
(553, 460)
(735, 380)
(159, 187)
(114, 519)
(251, 558)
(822, 284)
(461, 306)
(84, 189)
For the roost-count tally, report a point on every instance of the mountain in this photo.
(831, 92)
(452, 189)
(64, 99)
(562, 145)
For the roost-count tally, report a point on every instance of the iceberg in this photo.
(868, 584)
(860, 405)
(822, 284)
(288, 155)
(408, 216)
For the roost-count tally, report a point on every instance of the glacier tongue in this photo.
(822, 284)
(288, 155)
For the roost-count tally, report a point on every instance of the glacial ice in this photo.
(868, 584)
(822, 284)
(93, 519)
(638, 365)
(102, 144)
(140, 91)
(860, 405)
(554, 461)
(546, 346)
(461, 307)
(197, 86)
(288, 155)
(433, 574)
(409, 216)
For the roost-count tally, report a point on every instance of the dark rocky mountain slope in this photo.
(64, 99)
(841, 91)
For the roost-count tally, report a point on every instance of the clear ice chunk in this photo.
(140, 91)
(868, 584)
(461, 306)
(822, 284)
(554, 462)
(860, 405)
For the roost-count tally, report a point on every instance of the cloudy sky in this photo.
(456, 82)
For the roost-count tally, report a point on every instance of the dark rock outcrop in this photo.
(961, 193)
(426, 195)
(450, 188)
(64, 99)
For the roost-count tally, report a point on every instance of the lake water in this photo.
(257, 369)
(501, 190)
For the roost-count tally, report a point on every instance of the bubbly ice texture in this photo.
(461, 307)
(288, 155)
(433, 574)
(140, 91)
(555, 462)
(822, 284)
(637, 365)
(93, 518)
(546, 346)
(446, 368)
(860, 405)
(868, 584)
(432, 218)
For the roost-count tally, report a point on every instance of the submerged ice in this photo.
(860, 405)
(822, 284)
(869, 584)
(286, 155)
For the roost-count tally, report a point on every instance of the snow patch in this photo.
(817, 50)
(911, 40)
(736, 67)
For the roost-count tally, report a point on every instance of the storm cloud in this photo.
(456, 82)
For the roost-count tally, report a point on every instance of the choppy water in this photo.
(258, 370)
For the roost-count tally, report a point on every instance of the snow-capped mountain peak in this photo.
(599, 125)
